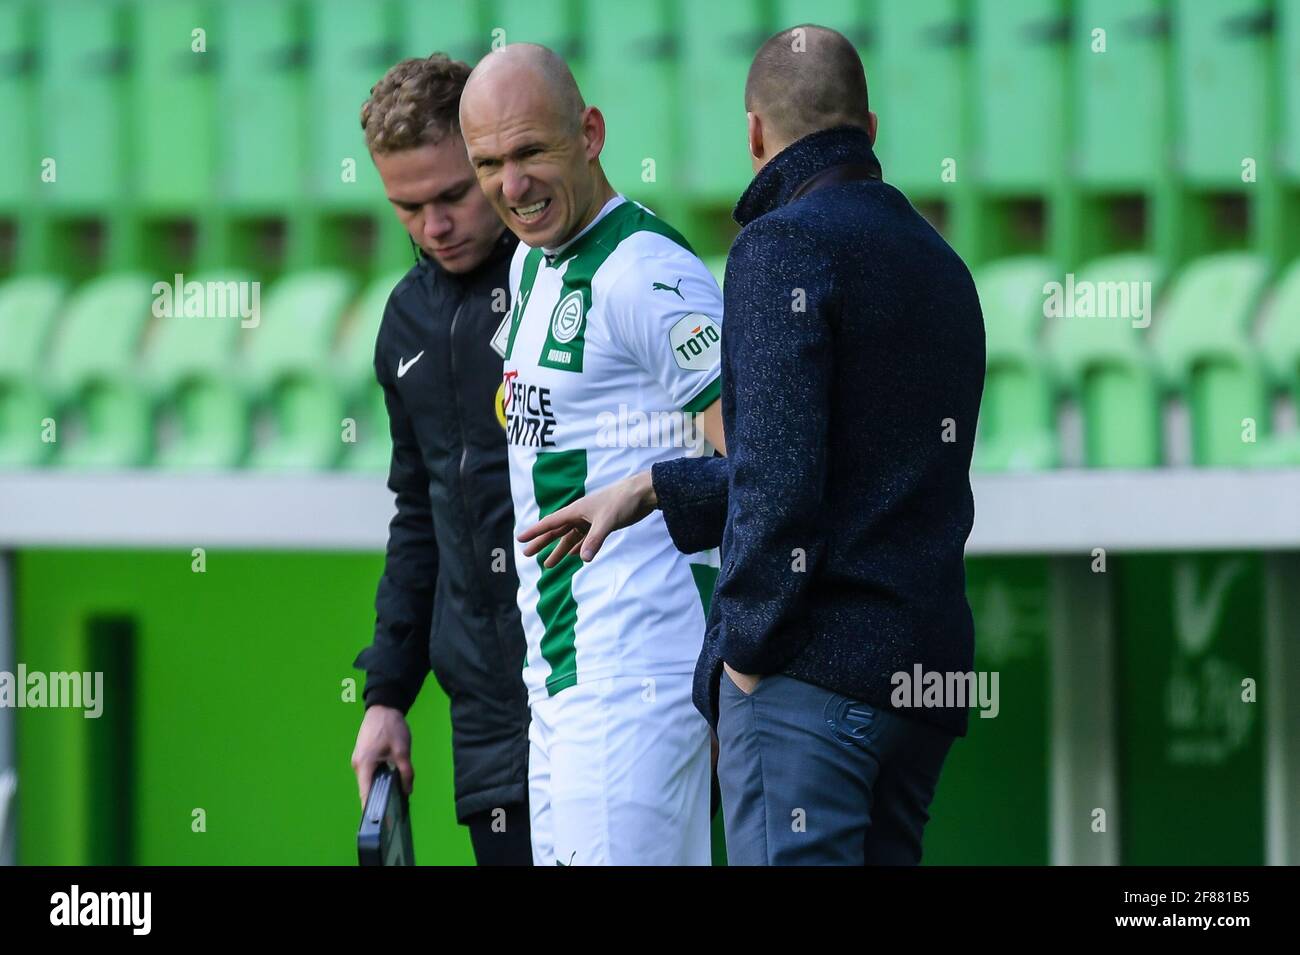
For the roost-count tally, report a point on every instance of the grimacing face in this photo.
(435, 195)
(535, 169)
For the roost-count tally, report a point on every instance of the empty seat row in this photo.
(110, 375)
(255, 104)
(1119, 365)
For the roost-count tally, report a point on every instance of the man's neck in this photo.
(774, 149)
(604, 193)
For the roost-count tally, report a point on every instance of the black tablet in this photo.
(385, 834)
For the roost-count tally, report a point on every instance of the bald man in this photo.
(611, 365)
(837, 666)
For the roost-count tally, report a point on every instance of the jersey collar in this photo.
(778, 181)
(551, 255)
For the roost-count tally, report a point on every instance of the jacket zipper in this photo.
(464, 451)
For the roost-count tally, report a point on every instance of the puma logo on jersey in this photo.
(661, 287)
(404, 366)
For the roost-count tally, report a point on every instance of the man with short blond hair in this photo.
(446, 600)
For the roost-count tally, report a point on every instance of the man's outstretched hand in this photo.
(583, 525)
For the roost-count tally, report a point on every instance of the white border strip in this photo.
(1054, 512)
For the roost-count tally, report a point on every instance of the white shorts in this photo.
(618, 774)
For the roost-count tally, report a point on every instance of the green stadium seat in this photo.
(355, 362)
(631, 60)
(856, 19)
(172, 116)
(287, 366)
(93, 374)
(551, 23)
(1202, 345)
(1279, 344)
(84, 64)
(1104, 364)
(719, 42)
(1019, 96)
(1221, 68)
(918, 71)
(1288, 59)
(1104, 85)
(19, 166)
(1017, 421)
(261, 59)
(28, 309)
(188, 370)
(457, 29)
(352, 46)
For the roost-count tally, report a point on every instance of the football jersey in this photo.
(611, 347)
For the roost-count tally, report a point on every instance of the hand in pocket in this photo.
(746, 682)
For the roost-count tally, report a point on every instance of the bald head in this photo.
(534, 145)
(528, 68)
(806, 79)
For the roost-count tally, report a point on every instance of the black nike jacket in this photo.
(447, 598)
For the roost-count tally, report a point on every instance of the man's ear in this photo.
(871, 127)
(593, 132)
(755, 135)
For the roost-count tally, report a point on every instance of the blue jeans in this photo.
(811, 777)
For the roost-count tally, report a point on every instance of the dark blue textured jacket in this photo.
(852, 369)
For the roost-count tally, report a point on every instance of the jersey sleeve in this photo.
(664, 307)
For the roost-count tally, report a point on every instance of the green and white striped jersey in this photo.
(611, 347)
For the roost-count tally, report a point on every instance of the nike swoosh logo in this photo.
(404, 366)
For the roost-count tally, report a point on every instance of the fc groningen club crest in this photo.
(566, 336)
(567, 317)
